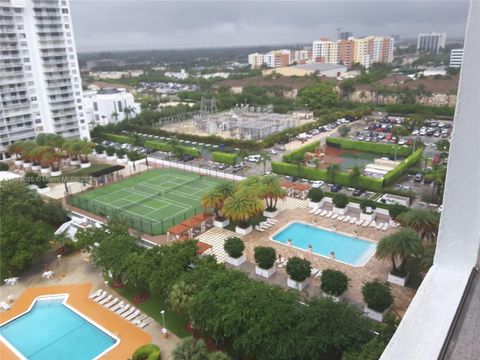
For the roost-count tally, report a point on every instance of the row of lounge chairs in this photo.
(354, 220)
(264, 225)
(125, 310)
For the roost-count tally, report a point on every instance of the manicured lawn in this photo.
(84, 172)
(153, 306)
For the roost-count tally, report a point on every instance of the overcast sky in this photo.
(139, 24)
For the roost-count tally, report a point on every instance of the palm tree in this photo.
(73, 148)
(355, 173)
(241, 206)
(27, 151)
(424, 221)
(426, 260)
(437, 175)
(180, 296)
(190, 349)
(332, 171)
(115, 115)
(271, 191)
(16, 149)
(128, 110)
(215, 197)
(85, 150)
(399, 247)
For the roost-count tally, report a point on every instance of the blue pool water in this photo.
(347, 249)
(50, 330)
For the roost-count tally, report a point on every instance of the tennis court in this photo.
(150, 202)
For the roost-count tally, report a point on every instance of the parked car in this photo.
(415, 132)
(336, 188)
(253, 158)
(238, 167)
(402, 142)
(357, 192)
(223, 166)
(436, 134)
(418, 177)
(317, 184)
(427, 181)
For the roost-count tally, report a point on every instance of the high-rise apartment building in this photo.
(431, 42)
(40, 85)
(272, 59)
(255, 60)
(365, 51)
(456, 58)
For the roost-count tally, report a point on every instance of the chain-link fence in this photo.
(131, 219)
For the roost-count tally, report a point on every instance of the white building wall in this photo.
(456, 58)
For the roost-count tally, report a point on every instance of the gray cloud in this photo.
(139, 24)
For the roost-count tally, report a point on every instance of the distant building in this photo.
(255, 60)
(325, 51)
(396, 38)
(435, 71)
(431, 42)
(272, 59)
(181, 75)
(345, 35)
(108, 106)
(456, 58)
(329, 70)
(115, 75)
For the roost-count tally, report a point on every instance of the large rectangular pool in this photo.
(51, 330)
(348, 249)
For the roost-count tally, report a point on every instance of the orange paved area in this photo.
(131, 337)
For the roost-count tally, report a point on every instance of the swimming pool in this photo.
(52, 330)
(348, 249)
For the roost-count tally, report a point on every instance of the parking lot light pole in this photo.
(164, 328)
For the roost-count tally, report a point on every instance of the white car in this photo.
(415, 132)
(317, 184)
(401, 142)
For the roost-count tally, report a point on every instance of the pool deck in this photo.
(358, 275)
(131, 337)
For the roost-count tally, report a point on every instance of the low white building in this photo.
(109, 105)
(435, 71)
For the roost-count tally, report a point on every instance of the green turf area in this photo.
(150, 202)
(175, 322)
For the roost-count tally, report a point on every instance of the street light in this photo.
(59, 257)
(164, 328)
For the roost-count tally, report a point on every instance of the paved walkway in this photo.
(216, 238)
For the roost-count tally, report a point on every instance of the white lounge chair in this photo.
(111, 303)
(272, 221)
(258, 228)
(120, 305)
(341, 217)
(133, 316)
(101, 297)
(318, 274)
(366, 223)
(314, 272)
(352, 220)
(312, 211)
(329, 214)
(379, 226)
(107, 299)
(123, 309)
(359, 222)
(128, 312)
(4, 306)
(347, 219)
(95, 294)
(145, 323)
(318, 212)
(139, 319)
(385, 227)
(373, 224)
(334, 216)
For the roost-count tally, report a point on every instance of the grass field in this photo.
(150, 202)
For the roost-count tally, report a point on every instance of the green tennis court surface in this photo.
(151, 202)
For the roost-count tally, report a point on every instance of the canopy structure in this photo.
(204, 248)
(202, 216)
(107, 171)
(177, 231)
(289, 187)
(301, 190)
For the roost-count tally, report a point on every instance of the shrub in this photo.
(32, 178)
(368, 203)
(397, 209)
(334, 282)
(298, 269)
(110, 151)
(315, 194)
(342, 178)
(340, 200)
(184, 150)
(3, 166)
(223, 157)
(155, 145)
(300, 152)
(99, 149)
(134, 156)
(121, 153)
(147, 352)
(234, 247)
(117, 138)
(377, 295)
(394, 174)
(407, 193)
(265, 257)
(343, 130)
(377, 148)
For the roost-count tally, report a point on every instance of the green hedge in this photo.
(189, 151)
(155, 145)
(377, 148)
(118, 138)
(300, 152)
(147, 352)
(343, 178)
(223, 157)
(396, 173)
